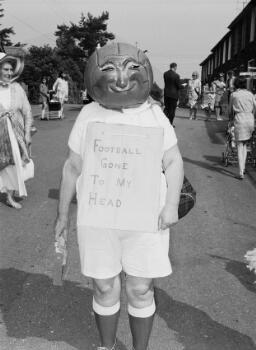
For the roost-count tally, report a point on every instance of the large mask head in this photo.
(119, 75)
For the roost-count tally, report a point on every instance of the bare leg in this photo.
(141, 310)
(244, 155)
(190, 113)
(240, 155)
(62, 110)
(106, 306)
(43, 113)
(217, 111)
(195, 113)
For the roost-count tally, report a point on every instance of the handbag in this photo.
(187, 198)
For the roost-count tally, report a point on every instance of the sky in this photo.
(181, 31)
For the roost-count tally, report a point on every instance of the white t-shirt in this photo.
(146, 115)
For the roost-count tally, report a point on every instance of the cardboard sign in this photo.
(120, 184)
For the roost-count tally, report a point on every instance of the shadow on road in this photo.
(217, 167)
(216, 131)
(240, 271)
(76, 108)
(196, 330)
(33, 307)
(54, 193)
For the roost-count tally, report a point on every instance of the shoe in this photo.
(239, 177)
(219, 119)
(11, 202)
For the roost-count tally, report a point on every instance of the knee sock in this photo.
(106, 319)
(141, 322)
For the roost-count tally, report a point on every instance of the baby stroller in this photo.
(54, 106)
(229, 156)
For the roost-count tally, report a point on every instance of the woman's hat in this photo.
(17, 62)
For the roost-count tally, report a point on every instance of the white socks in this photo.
(105, 310)
(144, 312)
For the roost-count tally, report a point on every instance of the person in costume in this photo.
(15, 131)
(194, 92)
(119, 79)
(60, 87)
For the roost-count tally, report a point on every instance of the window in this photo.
(229, 47)
(243, 34)
(253, 27)
(224, 52)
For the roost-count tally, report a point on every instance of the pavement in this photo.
(208, 303)
(222, 125)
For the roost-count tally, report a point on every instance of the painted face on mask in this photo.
(119, 76)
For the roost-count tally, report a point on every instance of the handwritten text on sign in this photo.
(121, 177)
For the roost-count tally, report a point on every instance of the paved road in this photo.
(207, 304)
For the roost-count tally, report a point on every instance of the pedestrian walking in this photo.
(120, 87)
(172, 86)
(194, 93)
(60, 87)
(44, 99)
(230, 83)
(242, 107)
(220, 88)
(15, 131)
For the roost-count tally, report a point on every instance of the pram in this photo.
(229, 156)
(54, 106)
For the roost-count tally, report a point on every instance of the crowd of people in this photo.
(240, 101)
(58, 94)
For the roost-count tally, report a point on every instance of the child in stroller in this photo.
(229, 155)
(208, 100)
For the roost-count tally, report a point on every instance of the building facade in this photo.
(237, 49)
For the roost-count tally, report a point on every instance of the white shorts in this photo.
(104, 253)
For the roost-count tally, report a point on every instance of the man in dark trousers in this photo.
(172, 85)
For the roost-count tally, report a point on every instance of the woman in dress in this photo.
(61, 90)
(194, 92)
(15, 131)
(43, 98)
(242, 106)
(220, 88)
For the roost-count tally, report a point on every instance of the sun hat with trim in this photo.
(16, 61)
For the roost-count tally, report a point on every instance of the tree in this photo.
(73, 44)
(79, 40)
(46, 62)
(5, 32)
